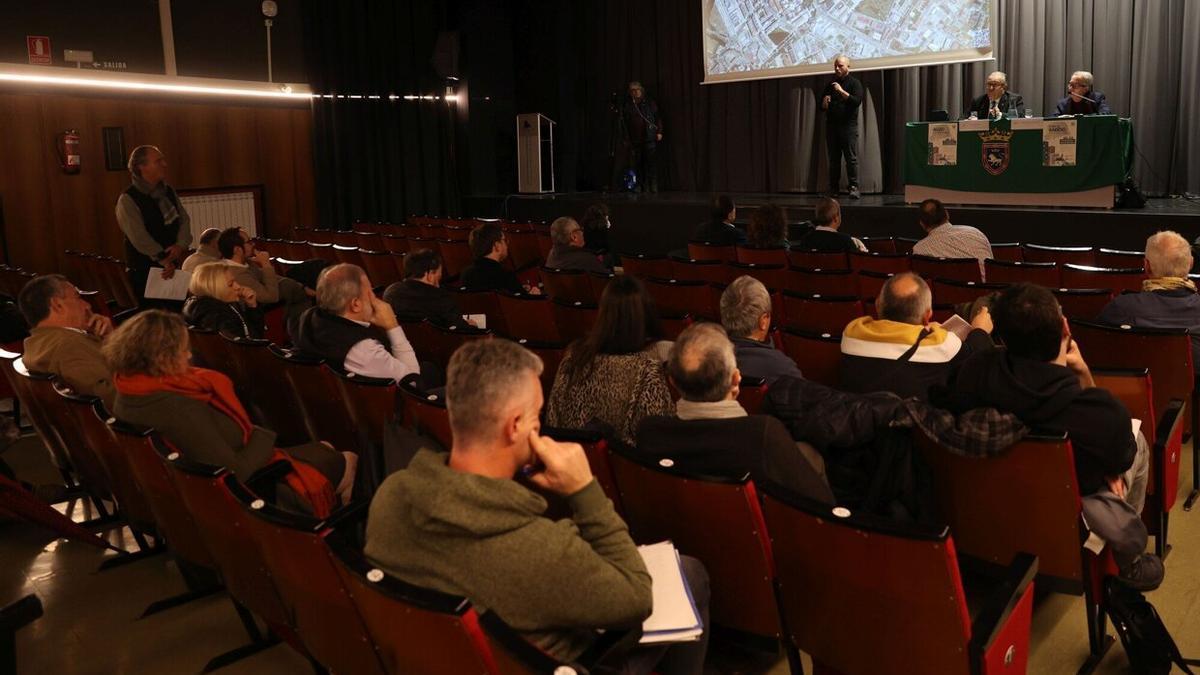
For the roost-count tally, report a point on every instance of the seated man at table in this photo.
(998, 99)
(1168, 298)
(711, 433)
(1082, 99)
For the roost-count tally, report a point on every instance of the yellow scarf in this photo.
(1168, 284)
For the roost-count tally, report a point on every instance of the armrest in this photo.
(607, 652)
(525, 653)
(1169, 424)
(993, 618)
(20, 613)
(353, 512)
(121, 316)
(268, 475)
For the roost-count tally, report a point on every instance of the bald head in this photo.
(905, 298)
(841, 65)
(1168, 255)
(338, 286)
(702, 364)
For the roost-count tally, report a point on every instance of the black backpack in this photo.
(1147, 642)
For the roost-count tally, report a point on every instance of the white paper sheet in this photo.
(674, 618)
(175, 288)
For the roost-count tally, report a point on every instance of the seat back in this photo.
(751, 394)
(317, 390)
(1115, 279)
(596, 448)
(870, 283)
(394, 242)
(426, 413)
(371, 402)
(456, 256)
(1075, 255)
(761, 256)
(529, 317)
(262, 375)
(574, 319)
(949, 292)
(1109, 257)
(676, 297)
(1082, 303)
(954, 269)
(65, 430)
(1009, 251)
(814, 259)
(415, 630)
(884, 245)
(645, 267)
(857, 592)
(20, 380)
(551, 355)
(708, 271)
(567, 285)
(301, 566)
(818, 355)
(447, 340)
(817, 313)
(379, 267)
(975, 498)
(716, 520)
(703, 250)
(211, 351)
(174, 520)
(1012, 272)
(1167, 353)
(523, 249)
(222, 525)
(826, 282)
(773, 277)
(887, 263)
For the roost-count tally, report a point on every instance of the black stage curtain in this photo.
(377, 155)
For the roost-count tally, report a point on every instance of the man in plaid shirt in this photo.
(944, 240)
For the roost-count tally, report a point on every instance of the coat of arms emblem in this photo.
(996, 150)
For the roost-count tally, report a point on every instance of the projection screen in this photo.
(756, 39)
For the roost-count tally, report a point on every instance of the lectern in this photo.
(535, 153)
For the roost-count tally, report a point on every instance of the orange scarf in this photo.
(216, 390)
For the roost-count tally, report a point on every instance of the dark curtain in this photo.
(379, 156)
(768, 135)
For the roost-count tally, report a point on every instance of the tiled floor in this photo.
(91, 623)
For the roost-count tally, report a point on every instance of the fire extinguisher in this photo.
(68, 151)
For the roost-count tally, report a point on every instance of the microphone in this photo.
(1085, 98)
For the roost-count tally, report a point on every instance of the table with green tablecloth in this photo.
(1104, 158)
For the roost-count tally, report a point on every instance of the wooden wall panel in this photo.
(206, 143)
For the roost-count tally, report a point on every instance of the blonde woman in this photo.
(220, 303)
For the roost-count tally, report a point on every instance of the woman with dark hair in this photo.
(196, 411)
(595, 225)
(767, 228)
(613, 375)
(220, 303)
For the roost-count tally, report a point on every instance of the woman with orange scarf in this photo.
(196, 411)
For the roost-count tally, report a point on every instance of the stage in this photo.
(657, 223)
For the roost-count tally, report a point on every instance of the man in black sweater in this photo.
(1041, 377)
(827, 217)
(420, 296)
(711, 433)
(840, 101)
(490, 248)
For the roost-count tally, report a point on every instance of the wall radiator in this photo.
(222, 209)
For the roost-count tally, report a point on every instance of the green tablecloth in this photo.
(1104, 156)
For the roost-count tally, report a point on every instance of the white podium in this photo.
(535, 153)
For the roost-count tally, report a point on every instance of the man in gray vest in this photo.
(156, 226)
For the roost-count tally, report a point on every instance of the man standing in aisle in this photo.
(840, 101)
(157, 228)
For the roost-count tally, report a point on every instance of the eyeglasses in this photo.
(995, 85)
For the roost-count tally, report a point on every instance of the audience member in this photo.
(944, 240)
(66, 336)
(220, 303)
(197, 412)
(353, 329)
(156, 225)
(595, 224)
(459, 524)
(568, 252)
(746, 315)
(609, 376)
(719, 228)
(206, 252)
(421, 296)
(710, 432)
(825, 236)
(489, 246)
(767, 228)
(1041, 377)
(1168, 298)
(904, 351)
(253, 269)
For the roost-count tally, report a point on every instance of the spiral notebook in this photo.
(674, 618)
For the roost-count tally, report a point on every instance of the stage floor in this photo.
(657, 223)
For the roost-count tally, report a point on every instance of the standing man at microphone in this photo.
(644, 128)
(1082, 99)
(841, 100)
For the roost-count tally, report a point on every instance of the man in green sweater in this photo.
(459, 524)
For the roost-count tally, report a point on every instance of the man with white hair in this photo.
(998, 99)
(1168, 298)
(157, 228)
(458, 523)
(711, 433)
(904, 351)
(353, 329)
(1081, 98)
(746, 316)
(568, 252)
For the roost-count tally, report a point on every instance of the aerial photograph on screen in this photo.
(747, 35)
